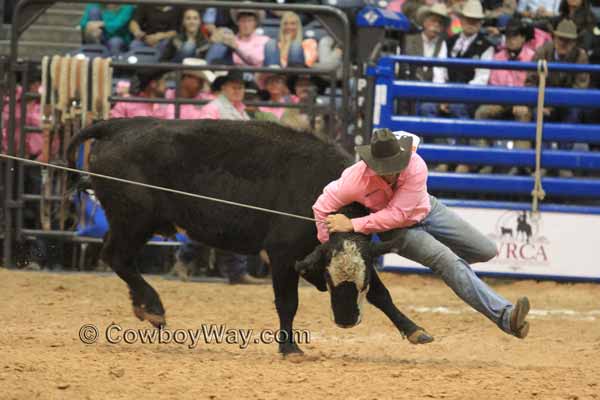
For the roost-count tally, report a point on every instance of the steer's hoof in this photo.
(158, 321)
(420, 337)
(288, 349)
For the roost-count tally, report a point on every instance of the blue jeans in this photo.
(115, 44)
(161, 46)
(272, 55)
(188, 49)
(218, 53)
(446, 244)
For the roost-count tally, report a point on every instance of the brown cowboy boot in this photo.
(518, 325)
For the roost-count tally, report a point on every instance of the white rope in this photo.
(538, 192)
(165, 189)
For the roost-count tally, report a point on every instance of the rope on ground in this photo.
(164, 189)
(538, 192)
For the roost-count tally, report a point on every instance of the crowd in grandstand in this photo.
(505, 30)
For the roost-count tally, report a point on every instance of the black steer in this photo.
(345, 266)
(251, 162)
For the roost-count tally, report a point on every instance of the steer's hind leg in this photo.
(285, 286)
(122, 243)
(379, 296)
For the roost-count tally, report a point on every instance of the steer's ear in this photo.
(381, 248)
(311, 262)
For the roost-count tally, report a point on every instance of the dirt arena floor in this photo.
(42, 356)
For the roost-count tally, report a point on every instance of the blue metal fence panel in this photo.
(491, 129)
(519, 185)
(483, 94)
(520, 158)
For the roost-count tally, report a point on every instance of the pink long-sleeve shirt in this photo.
(131, 110)
(253, 48)
(401, 206)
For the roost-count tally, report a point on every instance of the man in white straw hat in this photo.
(391, 181)
(194, 84)
(429, 43)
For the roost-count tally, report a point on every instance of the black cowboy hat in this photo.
(517, 26)
(316, 80)
(386, 155)
(144, 76)
(232, 76)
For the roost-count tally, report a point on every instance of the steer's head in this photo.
(346, 263)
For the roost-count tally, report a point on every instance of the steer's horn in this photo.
(311, 261)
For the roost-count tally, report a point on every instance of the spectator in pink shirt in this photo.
(33, 141)
(275, 85)
(517, 34)
(194, 85)
(150, 85)
(391, 181)
(245, 48)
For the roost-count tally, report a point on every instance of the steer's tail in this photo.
(99, 130)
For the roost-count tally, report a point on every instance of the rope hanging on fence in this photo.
(165, 189)
(538, 192)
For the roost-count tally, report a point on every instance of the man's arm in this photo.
(409, 205)
(336, 195)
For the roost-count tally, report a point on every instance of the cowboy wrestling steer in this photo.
(251, 162)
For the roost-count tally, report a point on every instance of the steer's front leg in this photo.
(379, 296)
(285, 286)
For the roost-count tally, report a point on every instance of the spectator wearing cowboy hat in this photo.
(428, 43)
(563, 48)
(229, 105)
(191, 42)
(391, 181)
(245, 48)
(517, 33)
(148, 83)
(194, 84)
(274, 84)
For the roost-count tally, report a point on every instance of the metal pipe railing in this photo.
(20, 11)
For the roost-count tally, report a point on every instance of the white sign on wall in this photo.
(555, 245)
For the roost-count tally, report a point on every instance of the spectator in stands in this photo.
(107, 24)
(304, 90)
(192, 41)
(538, 9)
(194, 84)
(499, 10)
(428, 43)
(291, 47)
(580, 12)
(411, 7)
(562, 49)
(229, 105)
(329, 55)
(274, 84)
(454, 7)
(245, 48)
(469, 44)
(33, 140)
(517, 34)
(154, 26)
(149, 84)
